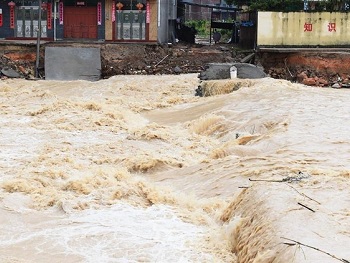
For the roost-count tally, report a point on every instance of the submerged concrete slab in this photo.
(72, 63)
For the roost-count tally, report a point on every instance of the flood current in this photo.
(138, 169)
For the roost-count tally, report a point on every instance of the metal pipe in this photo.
(158, 13)
(167, 23)
(54, 20)
(38, 43)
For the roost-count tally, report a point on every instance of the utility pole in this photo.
(38, 43)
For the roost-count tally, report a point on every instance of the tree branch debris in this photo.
(306, 207)
(314, 248)
(288, 179)
(304, 194)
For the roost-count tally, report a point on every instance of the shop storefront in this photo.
(102, 20)
(130, 20)
(20, 19)
(26, 22)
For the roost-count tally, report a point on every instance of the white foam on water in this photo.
(120, 233)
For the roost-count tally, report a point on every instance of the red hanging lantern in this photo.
(119, 5)
(44, 6)
(139, 6)
(12, 14)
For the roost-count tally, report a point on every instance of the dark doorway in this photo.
(80, 22)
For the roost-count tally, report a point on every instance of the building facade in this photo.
(101, 20)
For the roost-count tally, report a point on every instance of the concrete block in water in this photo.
(222, 71)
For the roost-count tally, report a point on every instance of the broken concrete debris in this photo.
(10, 73)
(220, 71)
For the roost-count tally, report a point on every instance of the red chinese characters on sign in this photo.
(12, 14)
(307, 27)
(113, 11)
(12, 18)
(331, 27)
(49, 16)
(99, 14)
(148, 13)
(60, 10)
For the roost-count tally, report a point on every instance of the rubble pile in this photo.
(14, 66)
(157, 59)
(321, 69)
(129, 59)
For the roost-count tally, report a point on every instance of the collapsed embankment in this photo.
(311, 67)
(125, 59)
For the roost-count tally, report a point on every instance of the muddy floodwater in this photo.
(138, 169)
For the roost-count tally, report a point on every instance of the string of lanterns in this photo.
(120, 6)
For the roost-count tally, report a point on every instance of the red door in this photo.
(80, 22)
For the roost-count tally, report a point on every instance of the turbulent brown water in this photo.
(138, 169)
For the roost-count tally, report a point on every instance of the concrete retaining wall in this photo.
(71, 63)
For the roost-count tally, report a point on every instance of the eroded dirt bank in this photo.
(129, 59)
(313, 68)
